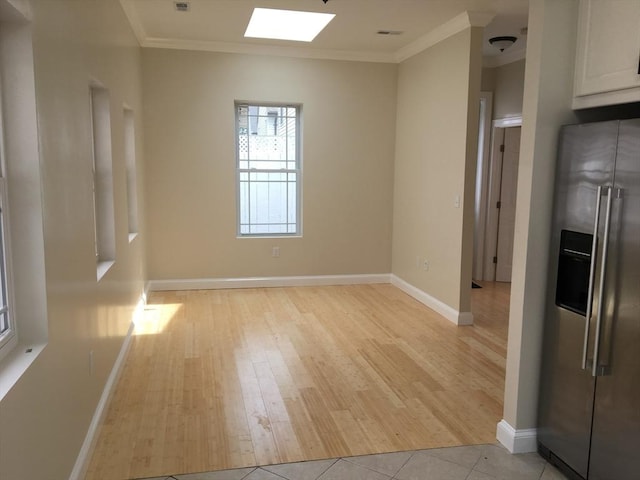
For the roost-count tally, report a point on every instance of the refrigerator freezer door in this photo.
(616, 422)
(586, 162)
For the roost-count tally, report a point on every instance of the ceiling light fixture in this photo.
(286, 24)
(502, 43)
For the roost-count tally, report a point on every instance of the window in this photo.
(130, 161)
(268, 169)
(7, 327)
(23, 322)
(102, 165)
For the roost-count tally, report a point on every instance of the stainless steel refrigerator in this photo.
(589, 409)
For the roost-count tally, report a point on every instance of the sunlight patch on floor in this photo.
(155, 318)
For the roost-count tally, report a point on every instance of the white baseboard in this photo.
(459, 318)
(260, 282)
(82, 462)
(451, 314)
(517, 441)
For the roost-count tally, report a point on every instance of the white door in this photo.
(507, 202)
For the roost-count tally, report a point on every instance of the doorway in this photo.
(495, 205)
(501, 205)
(506, 203)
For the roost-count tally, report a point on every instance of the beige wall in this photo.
(349, 143)
(547, 106)
(44, 418)
(435, 164)
(509, 90)
(507, 84)
(348, 111)
(488, 79)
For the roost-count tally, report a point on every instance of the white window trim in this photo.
(23, 196)
(8, 339)
(102, 178)
(297, 171)
(133, 217)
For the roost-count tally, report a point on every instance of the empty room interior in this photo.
(224, 252)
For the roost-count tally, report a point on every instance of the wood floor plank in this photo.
(234, 378)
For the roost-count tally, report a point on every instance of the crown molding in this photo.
(446, 30)
(134, 20)
(480, 19)
(273, 50)
(455, 25)
(16, 11)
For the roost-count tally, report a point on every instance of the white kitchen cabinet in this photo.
(607, 53)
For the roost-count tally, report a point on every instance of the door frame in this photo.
(482, 183)
(492, 214)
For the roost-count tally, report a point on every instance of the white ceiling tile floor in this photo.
(477, 462)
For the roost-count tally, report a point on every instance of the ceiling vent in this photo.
(182, 6)
(389, 32)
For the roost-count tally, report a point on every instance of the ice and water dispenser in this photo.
(574, 263)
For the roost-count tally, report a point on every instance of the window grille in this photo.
(268, 169)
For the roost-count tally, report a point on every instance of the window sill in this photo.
(297, 235)
(15, 364)
(103, 268)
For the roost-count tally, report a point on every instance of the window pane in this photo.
(244, 202)
(253, 203)
(277, 203)
(291, 207)
(243, 146)
(267, 163)
(4, 317)
(291, 139)
(4, 322)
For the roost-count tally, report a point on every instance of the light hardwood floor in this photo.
(233, 378)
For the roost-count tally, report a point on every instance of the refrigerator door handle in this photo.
(605, 245)
(592, 274)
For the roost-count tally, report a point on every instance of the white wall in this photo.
(348, 134)
(438, 98)
(44, 418)
(547, 105)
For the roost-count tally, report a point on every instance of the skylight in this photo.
(286, 24)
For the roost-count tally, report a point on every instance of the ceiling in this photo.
(219, 25)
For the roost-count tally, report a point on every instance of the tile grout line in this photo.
(267, 471)
(347, 459)
(327, 469)
(350, 460)
(264, 469)
(403, 465)
(254, 469)
(473, 469)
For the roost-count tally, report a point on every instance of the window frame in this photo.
(297, 170)
(8, 338)
(23, 197)
(102, 178)
(128, 117)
